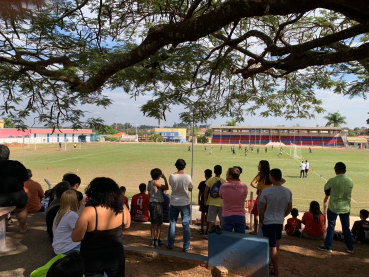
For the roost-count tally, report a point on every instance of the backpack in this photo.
(214, 191)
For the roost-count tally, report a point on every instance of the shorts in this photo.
(203, 207)
(18, 199)
(236, 222)
(213, 211)
(255, 207)
(156, 213)
(273, 232)
(306, 170)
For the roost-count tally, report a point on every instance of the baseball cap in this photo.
(340, 166)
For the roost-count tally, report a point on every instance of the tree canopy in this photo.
(215, 57)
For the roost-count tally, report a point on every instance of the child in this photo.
(45, 201)
(71, 265)
(293, 225)
(125, 199)
(314, 222)
(360, 230)
(203, 208)
(155, 190)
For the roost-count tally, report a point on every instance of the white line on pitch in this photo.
(88, 155)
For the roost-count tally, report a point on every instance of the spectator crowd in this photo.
(87, 228)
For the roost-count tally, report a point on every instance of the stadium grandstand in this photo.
(262, 135)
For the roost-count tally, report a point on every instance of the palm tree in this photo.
(232, 122)
(336, 119)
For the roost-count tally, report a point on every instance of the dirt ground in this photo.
(298, 257)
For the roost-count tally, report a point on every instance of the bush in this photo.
(115, 139)
(202, 139)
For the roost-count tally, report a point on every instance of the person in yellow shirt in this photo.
(212, 199)
(260, 182)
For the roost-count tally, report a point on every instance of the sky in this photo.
(126, 110)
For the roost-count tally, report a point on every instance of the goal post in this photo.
(295, 151)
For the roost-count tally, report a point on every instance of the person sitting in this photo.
(13, 175)
(140, 205)
(314, 222)
(35, 194)
(293, 225)
(54, 207)
(64, 224)
(74, 182)
(99, 228)
(46, 201)
(166, 206)
(71, 266)
(360, 230)
(234, 194)
(125, 198)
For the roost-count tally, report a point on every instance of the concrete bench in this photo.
(246, 254)
(3, 218)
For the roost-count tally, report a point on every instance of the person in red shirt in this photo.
(293, 225)
(314, 222)
(35, 194)
(125, 199)
(140, 205)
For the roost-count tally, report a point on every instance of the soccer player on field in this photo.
(307, 165)
(75, 146)
(140, 205)
(302, 171)
(246, 151)
(281, 151)
(266, 149)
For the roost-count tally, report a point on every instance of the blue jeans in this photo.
(345, 221)
(173, 217)
(75, 249)
(236, 222)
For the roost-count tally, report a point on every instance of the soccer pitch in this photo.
(130, 164)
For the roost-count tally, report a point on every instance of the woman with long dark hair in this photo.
(260, 182)
(99, 228)
(314, 222)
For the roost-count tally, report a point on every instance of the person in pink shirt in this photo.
(234, 195)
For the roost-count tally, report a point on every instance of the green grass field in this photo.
(130, 164)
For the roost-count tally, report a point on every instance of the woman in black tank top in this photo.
(99, 228)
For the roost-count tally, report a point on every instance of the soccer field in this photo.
(130, 164)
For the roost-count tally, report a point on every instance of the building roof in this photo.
(356, 138)
(5, 133)
(279, 128)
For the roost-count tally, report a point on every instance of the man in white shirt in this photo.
(181, 185)
(302, 171)
(307, 165)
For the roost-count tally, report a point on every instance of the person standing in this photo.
(35, 194)
(257, 150)
(60, 146)
(260, 182)
(302, 169)
(233, 193)
(246, 151)
(339, 190)
(281, 151)
(12, 177)
(181, 185)
(203, 208)
(307, 166)
(266, 149)
(276, 204)
(155, 190)
(310, 151)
